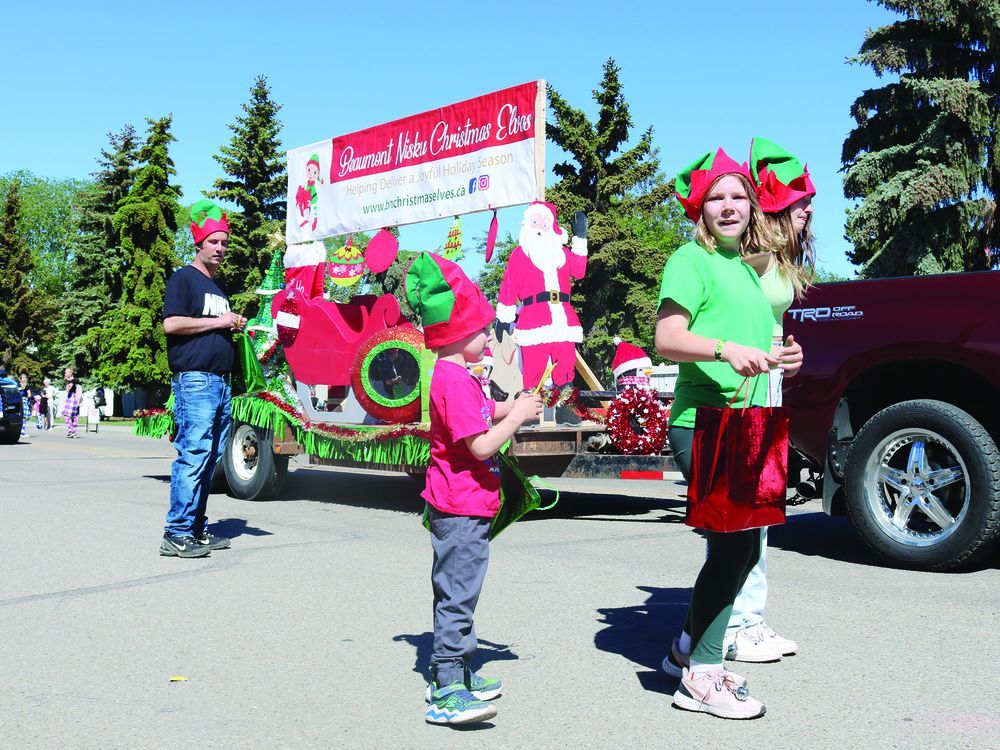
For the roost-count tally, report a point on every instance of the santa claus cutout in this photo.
(539, 277)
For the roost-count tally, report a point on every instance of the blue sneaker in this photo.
(484, 688)
(454, 704)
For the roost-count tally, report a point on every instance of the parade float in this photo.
(346, 382)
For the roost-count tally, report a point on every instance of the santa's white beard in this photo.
(544, 251)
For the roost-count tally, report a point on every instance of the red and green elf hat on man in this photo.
(206, 217)
(779, 177)
(450, 306)
(696, 178)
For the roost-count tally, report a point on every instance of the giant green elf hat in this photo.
(206, 217)
(696, 178)
(780, 178)
(450, 306)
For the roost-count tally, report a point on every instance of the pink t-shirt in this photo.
(457, 481)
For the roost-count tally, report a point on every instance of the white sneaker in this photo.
(788, 647)
(751, 644)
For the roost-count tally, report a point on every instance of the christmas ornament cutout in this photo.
(347, 264)
(381, 251)
(453, 245)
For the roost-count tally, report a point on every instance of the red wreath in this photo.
(637, 408)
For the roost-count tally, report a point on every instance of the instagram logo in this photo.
(479, 183)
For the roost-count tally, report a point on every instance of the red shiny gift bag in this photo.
(739, 468)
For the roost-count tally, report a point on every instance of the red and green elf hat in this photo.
(206, 217)
(780, 178)
(450, 306)
(314, 159)
(696, 178)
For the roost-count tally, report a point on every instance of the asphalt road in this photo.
(314, 629)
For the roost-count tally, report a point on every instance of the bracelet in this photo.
(718, 349)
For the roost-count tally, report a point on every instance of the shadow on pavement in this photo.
(817, 534)
(580, 505)
(423, 644)
(642, 633)
(234, 527)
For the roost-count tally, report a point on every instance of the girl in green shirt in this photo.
(716, 323)
(784, 192)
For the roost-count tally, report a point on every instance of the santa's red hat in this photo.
(450, 306)
(544, 206)
(628, 357)
(487, 360)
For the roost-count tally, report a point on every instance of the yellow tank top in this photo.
(779, 292)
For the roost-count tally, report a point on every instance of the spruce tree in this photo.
(98, 265)
(256, 183)
(132, 342)
(17, 297)
(613, 184)
(923, 157)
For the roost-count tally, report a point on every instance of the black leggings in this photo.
(730, 559)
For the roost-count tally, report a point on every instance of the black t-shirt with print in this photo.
(192, 294)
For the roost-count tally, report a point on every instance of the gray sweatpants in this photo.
(461, 553)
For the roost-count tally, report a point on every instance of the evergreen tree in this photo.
(923, 157)
(19, 301)
(133, 349)
(256, 182)
(618, 296)
(98, 264)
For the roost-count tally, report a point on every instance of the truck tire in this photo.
(252, 470)
(923, 486)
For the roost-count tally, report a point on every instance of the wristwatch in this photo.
(718, 349)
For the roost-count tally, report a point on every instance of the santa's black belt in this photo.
(553, 297)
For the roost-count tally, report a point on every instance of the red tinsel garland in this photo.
(268, 354)
(645, 407)
(556, 397)
(140, 413)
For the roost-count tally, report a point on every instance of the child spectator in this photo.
(463, 479)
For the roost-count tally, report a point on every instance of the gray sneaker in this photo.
(212, 541)
(182, 546)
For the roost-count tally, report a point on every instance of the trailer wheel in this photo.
(252, 470)
(923, 485)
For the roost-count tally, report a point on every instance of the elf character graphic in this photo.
(539, 278)
(307, 197)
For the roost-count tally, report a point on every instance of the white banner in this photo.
(480, 154)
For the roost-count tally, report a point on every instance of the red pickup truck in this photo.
(897, 408)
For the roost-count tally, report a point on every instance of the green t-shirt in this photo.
(780, 294)
(724, 298)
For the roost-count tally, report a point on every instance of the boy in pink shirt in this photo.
(463, 479)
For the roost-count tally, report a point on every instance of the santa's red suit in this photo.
(539, 277)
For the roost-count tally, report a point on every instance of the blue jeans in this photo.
(201, 413)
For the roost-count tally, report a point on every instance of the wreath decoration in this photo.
(636, 422)
(396, 410)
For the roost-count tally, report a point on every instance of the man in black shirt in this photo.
(199, 326)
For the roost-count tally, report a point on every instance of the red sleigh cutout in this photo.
(331, 333)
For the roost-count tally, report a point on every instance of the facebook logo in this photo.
(479, 183)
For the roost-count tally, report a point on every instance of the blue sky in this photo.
(702, 74)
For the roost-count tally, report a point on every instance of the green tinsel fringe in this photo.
(407, 450)
(155, 426)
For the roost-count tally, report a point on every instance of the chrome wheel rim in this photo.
(244, 452)
(916, 486)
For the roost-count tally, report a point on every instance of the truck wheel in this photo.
(252, 470)
(923, 485)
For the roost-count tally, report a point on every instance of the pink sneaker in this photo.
(719, 693)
